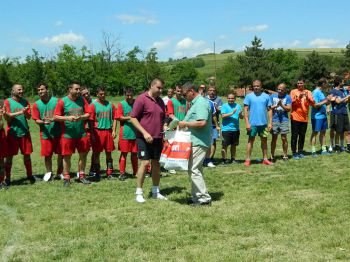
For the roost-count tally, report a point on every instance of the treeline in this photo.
(273, 66)
(136, 68)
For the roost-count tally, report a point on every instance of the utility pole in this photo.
(214, 64)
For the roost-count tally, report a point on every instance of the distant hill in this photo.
(209, 59)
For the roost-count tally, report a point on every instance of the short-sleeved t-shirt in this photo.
(127, 130)
(300, 106)
(70, 107)
(17, 126)
(102, 114)
(338, 109)
(230, 123)
(150, 113)
(43, 109)
(279, 114)
(321, 112)
(177, 107)
(200, 110)
(258, 105)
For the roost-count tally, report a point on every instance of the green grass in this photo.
(295, 211)
(209, 68)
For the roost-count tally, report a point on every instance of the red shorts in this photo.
(23, 143)
(3, 144)
(126, 146)
(68, 145)
(50, 146)
(103, 141)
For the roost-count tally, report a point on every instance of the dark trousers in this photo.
(298, 135)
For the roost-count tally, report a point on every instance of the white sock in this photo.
(139, 191)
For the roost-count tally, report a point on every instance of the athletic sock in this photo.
(324, 148)
(81, 175)
(28, 166)
(313, 149)
(122, 164)
(66, 176)
(8, 167)
(134, 163)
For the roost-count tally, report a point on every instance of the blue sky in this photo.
(176, 28)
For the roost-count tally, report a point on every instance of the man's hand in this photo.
(248, 127)
(71, 118)
(234, 111)
(269, 127)
(148, 138)
(182, 124)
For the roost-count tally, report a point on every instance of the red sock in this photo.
(134, 163)
(149, 168)
(66, 176)
(81, 175)
(122, 163)
(28, 165)
(8, 167)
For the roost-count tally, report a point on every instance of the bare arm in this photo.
(193, 124)
(137, 125)
(246, 117)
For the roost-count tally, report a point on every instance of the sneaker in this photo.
(272, 159)
(140, 199)
(78, 175)
(199, 203)
(84, 181)
(92, 174)
(296, 157)
(97, 177)
(33, 179)
(233, 161)
(342, 149)
(172, 171)
(210, 164)
(267, 162)
(47, 176)
(122, 177)
(158, 196)
(111, 177)
(7, 183)
(285, 158)
(59, 177)
(66, 182)
(325, 153)
(330, 149)
(148, 174)
(314, 154)
(2, 186)
(247, 163)
(301, 155)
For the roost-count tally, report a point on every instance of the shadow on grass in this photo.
(215, 196)
(170, 190)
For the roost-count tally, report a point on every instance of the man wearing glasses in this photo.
(301, 101)
(281, 105)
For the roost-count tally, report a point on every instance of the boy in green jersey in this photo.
(17, 113)
(72, 111)
(50, 131)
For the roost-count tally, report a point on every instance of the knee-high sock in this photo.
(109, 167)
(8, 167)
(122, 163)
(28, 165)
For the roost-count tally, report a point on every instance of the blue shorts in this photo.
(319, 124)
(215, 134)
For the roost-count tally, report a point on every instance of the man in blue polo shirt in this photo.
(257, 106)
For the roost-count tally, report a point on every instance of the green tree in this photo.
(314, 67)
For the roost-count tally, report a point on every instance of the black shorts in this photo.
(340, 123)
(146, 151)
(230, 138)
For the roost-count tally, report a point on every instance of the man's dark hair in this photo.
(128, 89)
(337, 81)
(73, 83)
(99, 89)
(322, 81)
(190, 86)
(42, 84)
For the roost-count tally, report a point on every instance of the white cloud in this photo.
(134, 19)
(222, 37)
(254, 28)
(159, 45)
(64, 38)
(323, 42)
(178, 54)
(58, 23)
(188, 43)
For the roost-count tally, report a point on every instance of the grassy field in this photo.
(209, 68)
(295, 211)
